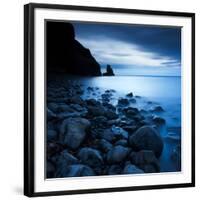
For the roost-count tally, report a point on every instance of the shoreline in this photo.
(94, 137)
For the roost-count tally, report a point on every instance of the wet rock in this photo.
(143, 122)
(99, 122)
(65, 108)
(131, 112)
(63, 161)
(113, 122)
(51, 135)
(78, 108)
(114, 133)
(117, 154)
(132, 100)
(111, 115)
(90, 157)
(109, 107)
(65, 158)
(147, 138)
(90, 88)
(53, 107)
(130, 128)
(132, 169)
(119, 132)
(123, 102)
(50, 169)
(114, 169)
(122, 143)
(94, 111)
(107, 134)
(76, 100)
(64, 115)
(104, 145)
(124, 121)
(50, 115)
(158, 120)
(76, 170)
(145, 160)
(130, 94)
(106, 97)
(53, 148)
(73, 131)
(157, 109)
(92, 102)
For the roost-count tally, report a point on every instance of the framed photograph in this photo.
(109, 99)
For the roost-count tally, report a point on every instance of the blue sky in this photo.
(133, 49)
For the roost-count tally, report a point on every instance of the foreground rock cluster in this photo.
(89, 137)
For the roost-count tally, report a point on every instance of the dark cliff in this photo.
(65, 54)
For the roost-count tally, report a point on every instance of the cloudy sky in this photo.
(133, 49)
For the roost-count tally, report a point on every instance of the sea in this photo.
(149, 91)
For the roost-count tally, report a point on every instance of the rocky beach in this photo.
(93, 132)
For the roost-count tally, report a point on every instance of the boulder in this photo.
(90, 157)
(51, 135)
(119, 132)
(157, 109)
(158, 120)
(113, 133)
(76, 170)
(130, 94)
(106, 134)
(111, 114)
(123, 102)
(132, 169)
(63, 161)
(76, 100)
(117, 154)
(130, 128)
(65, 158)
(122, 142)
(65, 54)
(131, 112)
(147, 138)
(104, 145)
(132, 100)
(145, 160)
(64, 108)
(53, 148)
(73, 131)
(114, 169)
(109, 106)
(92, 102)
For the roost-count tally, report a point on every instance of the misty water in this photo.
(149, 92)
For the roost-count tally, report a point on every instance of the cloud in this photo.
(112, 51)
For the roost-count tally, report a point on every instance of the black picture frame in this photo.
(29, 81)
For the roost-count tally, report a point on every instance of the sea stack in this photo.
(65, 54)
(109, 71)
